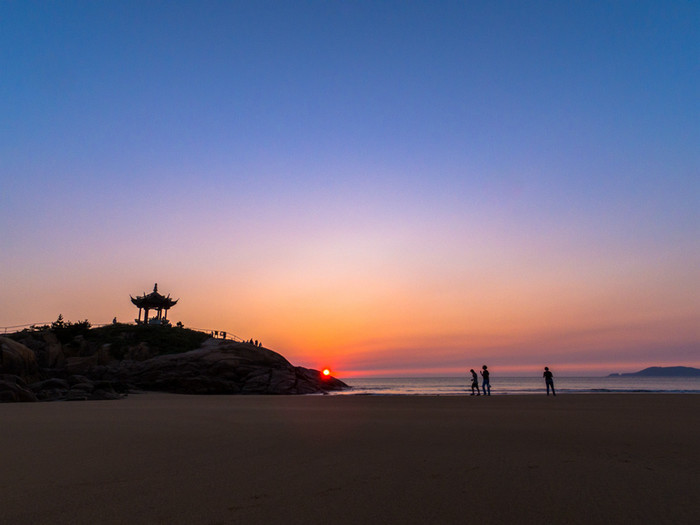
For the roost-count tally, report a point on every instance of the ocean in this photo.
(521, 385)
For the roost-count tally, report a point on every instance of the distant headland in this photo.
(663, 371)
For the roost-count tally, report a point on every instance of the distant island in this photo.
(663, 371)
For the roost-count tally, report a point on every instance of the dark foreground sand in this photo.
(160, 458)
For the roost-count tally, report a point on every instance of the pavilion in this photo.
(154, 301)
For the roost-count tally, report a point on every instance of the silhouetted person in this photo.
(549, 380)
(475, 383)
(485, 385)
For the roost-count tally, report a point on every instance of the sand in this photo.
(161, 458)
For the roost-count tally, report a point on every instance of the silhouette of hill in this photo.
(72, 361)
(663, 371)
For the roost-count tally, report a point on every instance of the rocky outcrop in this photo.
(222, 367)
(82, 371)
(77, 388)
(18, 366)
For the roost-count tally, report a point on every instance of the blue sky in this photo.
(373, 170)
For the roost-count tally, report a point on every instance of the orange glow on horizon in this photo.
(418, 328)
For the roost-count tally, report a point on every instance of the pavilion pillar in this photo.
(145, 316)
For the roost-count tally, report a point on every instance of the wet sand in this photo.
(160, 458)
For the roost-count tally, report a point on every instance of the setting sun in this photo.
(326, 372)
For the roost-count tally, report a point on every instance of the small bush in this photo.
(66, 331)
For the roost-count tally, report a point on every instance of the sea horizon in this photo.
(526, 385)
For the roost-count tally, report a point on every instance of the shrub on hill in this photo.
(160, 339)
(120, 337)
(66, 331)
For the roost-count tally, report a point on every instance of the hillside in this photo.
(71, 361)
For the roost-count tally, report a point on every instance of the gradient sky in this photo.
(388, 188)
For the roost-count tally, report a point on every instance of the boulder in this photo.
(17, 359)
(52, 389)
(51, 383)
(55, 356)
(13, 390)
(76, 388)
(81, 365)
(100, 394)
(77, 395)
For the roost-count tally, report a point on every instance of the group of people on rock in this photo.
(486, 384)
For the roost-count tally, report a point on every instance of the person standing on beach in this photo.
(485, 381)
(475, 383)
(549, 380)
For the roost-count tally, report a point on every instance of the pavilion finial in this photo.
(155, 287)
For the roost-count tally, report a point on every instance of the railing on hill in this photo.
(218, 334)
(20, 327)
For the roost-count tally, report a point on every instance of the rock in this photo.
(77, 378)
(105, 390)
(81, 365)
(11, 378)
(52, 394)
(222, 367)
(77, 395)
(73, 348)
(13, 390)
(257, 383)
(104, 395)
(139, 352)
(17, 359)
(282, 381)
(52, 389)
(51, 383)
(55, 356)
(76, 388)
(85, 387)
(104, 355)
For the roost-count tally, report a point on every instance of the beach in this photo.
(162, 458)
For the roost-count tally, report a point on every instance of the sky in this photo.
(384, 188)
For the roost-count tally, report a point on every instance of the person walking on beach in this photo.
(475, 383)
(485, 384)
(549, 380)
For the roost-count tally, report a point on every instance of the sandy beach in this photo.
(161, 458)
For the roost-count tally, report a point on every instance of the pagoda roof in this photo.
(154, 300)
